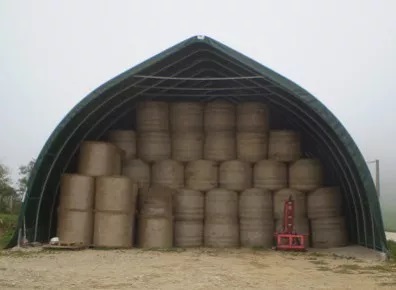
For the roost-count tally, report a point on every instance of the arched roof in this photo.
(201, 68)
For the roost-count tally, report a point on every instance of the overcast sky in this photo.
(53, 53)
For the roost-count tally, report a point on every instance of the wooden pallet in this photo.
(65, 246)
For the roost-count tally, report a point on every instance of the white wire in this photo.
(198, 79)
(196, 89)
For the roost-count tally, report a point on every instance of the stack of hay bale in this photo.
(305, 175)
(216, 168)
(305, 185)
(155, 229)
(255, 204)
(327, 223)
(221, 204)
(186, 122)
(152, 125)
(75, 211)
(97, 188)
(115, 204)
(256, 218)
(201, 176)
(284, 149)
(154, 144)
(189, 217)
(136, 169)
(155, 225)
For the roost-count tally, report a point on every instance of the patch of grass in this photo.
(56, 250)
(392, 249)
(104, 248)
(366, 272)
(317, 254)
(349, 267)
(324, 268)
(21, 254)
(260, 249)
(177, 250)
(319, 262)
(385, 267)
(8, 224)
(347, 272)
(387, 284)
(359, 269)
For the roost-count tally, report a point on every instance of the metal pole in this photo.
(377, 177)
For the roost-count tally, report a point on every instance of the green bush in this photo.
(8, 223)
(392, 249)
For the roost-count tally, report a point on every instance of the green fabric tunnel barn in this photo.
(202, 69)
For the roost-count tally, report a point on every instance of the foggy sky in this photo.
(53, 53)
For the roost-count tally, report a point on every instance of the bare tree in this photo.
(7, 192)
(24, 173)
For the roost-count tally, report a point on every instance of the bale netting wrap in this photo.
(76, 192)
(125, 140)
(187, 146)
(186, 117)
(221, 203)
(252, 117)
(201, 175)
(324, 202)
(329, 232)
(98, 159)
(220, 146)
(219, 116)
(168, 173)
(188, 233)
(299, 198)
(255, 203)
(152, 116)
(284, 145)
(75, 226)
(251, 146)
(221, 232)
(306, 174)
(256, 232)
(115, 193)
(235, 175)
(154, 146)
(113, 229)
(188, 205)
(270, 174)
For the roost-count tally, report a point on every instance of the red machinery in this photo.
(288, 239)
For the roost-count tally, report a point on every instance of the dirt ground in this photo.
(189, 269)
